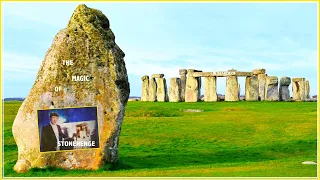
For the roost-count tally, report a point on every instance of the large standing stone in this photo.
(307, 90)
(284, 93)
(210, 89)
(89, 42)
(162, 95)
(145, 88)
(175, 90)
(152, 90)
(262, 86)
(272, 93)
(252, 88)
(232, 89)
(192, 88)
(183, 78)
(303, 89)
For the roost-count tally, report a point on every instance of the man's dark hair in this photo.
(53, 114)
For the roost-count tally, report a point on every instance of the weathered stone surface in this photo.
(145, 88)
(203, 74)
(157, 75)
(232, 89)
(303, 89)
(89, 42)
(284, 93)
(285, 81)
(175, 90)
(238, 73)
(262, 86)
(307, 90)
(258, 71)
(296, 90)
(183, 79)
(152, 90)
(192, 88)
(162, 95)
(272, 92)
(210, 89)
(252, 88)
(297, 79)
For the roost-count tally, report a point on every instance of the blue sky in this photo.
(166, 37)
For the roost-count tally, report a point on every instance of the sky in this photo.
(166, 37)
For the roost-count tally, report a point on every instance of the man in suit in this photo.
(51, 134)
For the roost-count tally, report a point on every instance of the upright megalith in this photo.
(175, 90)
(232, 88)
(284, 93)
(183, 78)
(272, 93)
(210, 89)
(307, 91)
(192, 93)
(162, 95)
(145, 88)
(252, 88)
(298, 89)
(261, 74)
(97, 77)
(152, 90)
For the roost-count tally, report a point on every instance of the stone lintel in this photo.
(258, 71)
(238, 73)
(297, 79)
(157, 75)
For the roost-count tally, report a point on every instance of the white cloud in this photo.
(17, 65)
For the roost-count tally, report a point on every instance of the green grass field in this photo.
(247, 139)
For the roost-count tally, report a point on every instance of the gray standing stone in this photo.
(175, 90)
(284, 93)
(272, 92)
(210, 89)
(252, 89)
(232, 89)
(162, 95)
(183, 78)
(262, 86)
(145, 88)
(192, 88)
(152, 90)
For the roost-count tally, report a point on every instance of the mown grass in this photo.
(252, 139)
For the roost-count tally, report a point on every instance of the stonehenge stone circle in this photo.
(272, 93)
(175, 90)
(284, 93)
(90, 43)
(258, 86)
(210, 89)
(145, 88)
(162, 95)
(183, 78)
(232, 89)
(152, 90)
(252, 88)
